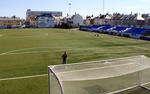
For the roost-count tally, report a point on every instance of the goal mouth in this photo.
(108, 76)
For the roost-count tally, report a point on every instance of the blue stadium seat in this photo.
(119, 29)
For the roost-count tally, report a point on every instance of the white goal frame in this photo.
(140, 84)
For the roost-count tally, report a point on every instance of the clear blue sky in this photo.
(83, 7)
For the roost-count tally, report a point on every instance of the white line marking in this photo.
(46, 34)
(12, 52)
(143, 48)
(24, 77)
(27, 52)
(25, 49)
(27, 36)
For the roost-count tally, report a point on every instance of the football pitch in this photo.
(25, 55)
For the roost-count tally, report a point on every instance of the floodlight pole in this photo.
(104, 7)
(104, 11)
(70, 9)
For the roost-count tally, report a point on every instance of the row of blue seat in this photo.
(139, 31)
(118, 29)
(132, 32)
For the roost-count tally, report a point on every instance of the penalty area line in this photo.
(24, 77)
(24, 49)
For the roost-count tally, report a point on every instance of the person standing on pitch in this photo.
(64, 57)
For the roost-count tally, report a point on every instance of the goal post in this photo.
(54, 83)
(100, 77)
(144, 76)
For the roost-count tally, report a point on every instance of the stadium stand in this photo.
(105, 28)
(83, 28)
(93, 27)
(138, 33)
(119, 29)
(116, 30)
(98, 30)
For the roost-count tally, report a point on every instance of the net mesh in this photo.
(100, 77)
(145, 74)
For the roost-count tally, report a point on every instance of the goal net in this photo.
(100, 77)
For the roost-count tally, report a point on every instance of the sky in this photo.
(83, 7)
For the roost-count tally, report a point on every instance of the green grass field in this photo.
(27, 52)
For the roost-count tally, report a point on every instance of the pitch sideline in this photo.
(23, 77)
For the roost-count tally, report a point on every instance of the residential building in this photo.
(89, 20)
(130, 20)
(58, 21)
(108, 19)
(32, 21)
(72, 21)
(147, 22)
(77, 20)
(9, 22)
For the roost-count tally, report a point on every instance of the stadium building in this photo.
(30, 13)
(41, 19)
(46, 21)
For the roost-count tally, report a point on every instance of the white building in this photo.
(74, 21)
(67, 19)
(77, 20)
(58, 21)
(46, 21)
(87, 21)
(99, 21)
(108, 19)
(139, 17)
